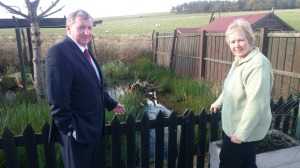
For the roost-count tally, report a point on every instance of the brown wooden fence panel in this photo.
(214, 55)
(281, 48)
(284, 55)
(187, 55)
(208, 71)
(222, 56)
(164, 46)
(218, 58)
(295, 84)
(273, 57)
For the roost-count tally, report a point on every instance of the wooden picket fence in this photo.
(189, 150)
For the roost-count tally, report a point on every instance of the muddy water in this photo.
(152, 109)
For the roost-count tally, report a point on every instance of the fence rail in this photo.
(181, 152)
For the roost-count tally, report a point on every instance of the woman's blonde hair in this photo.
(241, 24)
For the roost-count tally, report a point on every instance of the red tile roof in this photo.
(221, 24)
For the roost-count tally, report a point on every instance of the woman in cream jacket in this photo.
(245, 99)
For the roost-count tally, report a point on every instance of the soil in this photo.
(273, 142)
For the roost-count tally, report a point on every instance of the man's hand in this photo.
(119, 109)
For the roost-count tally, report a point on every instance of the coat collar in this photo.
(254, 51)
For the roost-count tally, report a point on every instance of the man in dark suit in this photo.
(76, 95)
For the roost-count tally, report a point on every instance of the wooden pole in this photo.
(21, 59)
(173, 49)
(30, 51)
(203, 54)
(263, 43)
(156, 46)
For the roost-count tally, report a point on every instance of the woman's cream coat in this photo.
(245, 99)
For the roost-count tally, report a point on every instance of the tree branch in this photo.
(54, 12)
(43, 14)
(13, 11)
(32, 5)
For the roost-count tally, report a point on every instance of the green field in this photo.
(144, 24)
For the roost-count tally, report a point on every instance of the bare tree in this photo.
(34, 19)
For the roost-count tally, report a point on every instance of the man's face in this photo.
(81, 30)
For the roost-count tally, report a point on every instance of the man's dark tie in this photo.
(88, 57)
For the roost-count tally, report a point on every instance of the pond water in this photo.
(152, 109)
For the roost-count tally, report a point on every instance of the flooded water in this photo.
(152, 109)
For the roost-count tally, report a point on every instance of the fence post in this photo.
(172, 140)
(30, 52)
(173, 49)
(9, 148)
(201, 144)
(115, 142)
(263, 42)
(203, 53)
(145, 140)
(130, 141)
(298, 122)
(156, 46)
(21, 59)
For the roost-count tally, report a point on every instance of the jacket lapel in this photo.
(84, 61)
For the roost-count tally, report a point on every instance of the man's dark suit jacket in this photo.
(77, 99)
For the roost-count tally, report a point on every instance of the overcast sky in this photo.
(102, 8)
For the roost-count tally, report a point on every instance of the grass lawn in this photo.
(144, 24)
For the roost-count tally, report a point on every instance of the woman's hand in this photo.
(213, 108)
(235, 140)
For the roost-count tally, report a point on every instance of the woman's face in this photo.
(238, 43)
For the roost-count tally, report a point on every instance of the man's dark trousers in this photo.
(81, 155)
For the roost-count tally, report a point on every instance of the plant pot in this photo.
(280, 158)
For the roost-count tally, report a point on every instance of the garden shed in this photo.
(261, 20)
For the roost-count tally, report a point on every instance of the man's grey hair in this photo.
(71, 17)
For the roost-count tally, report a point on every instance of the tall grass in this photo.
(24, 109)
(177, 92)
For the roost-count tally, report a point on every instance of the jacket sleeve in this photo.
(110, 103)
(58, 81)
